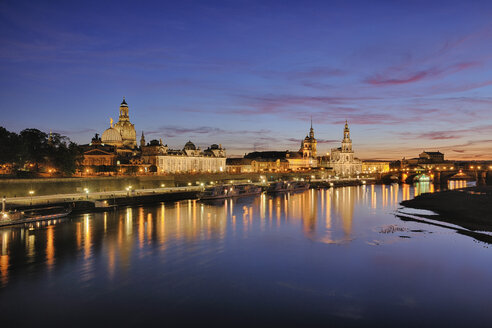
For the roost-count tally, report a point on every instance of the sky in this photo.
(407, 75)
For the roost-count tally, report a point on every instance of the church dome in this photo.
(111, 136)
(190, 146)
(123, 103)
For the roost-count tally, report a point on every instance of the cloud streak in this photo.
(395, 78)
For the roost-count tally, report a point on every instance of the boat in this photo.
(217, 192)
(279, 186)
(298, 186)
(35, 215)
(287, 186)
(227, 191)
(247, 189)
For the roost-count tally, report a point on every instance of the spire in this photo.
(142, 140)
(123, 111)
(311, 130)
(346, 131)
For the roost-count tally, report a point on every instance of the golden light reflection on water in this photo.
(457, 184)
(50, 247)
(326, 216)
(4, 258)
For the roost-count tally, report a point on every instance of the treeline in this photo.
(33, 150)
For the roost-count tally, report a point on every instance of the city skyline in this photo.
(250, 75)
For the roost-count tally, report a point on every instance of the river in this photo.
(320, 257)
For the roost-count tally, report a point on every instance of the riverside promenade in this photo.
(87, 200)
(109, 197)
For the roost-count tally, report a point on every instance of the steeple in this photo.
(346, 131)
(124, 111)
(311, 130)
(346, 142)
(142, 140)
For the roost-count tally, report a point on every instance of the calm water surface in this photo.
(321, 257)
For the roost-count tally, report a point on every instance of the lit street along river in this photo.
(320, 257)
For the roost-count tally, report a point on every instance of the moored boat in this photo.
(283, 186)
(227, 191)
(35, 215)
(247, 189)
(217, 192)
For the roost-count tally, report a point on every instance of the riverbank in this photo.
(470, 208)
(87, 202)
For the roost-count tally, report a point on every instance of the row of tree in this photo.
(34, 149)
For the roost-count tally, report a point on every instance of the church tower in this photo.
(346, 142)
(308, 145)
(125, 127)
(142, 140)
(124, 111)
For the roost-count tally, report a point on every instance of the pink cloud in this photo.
(387, 78)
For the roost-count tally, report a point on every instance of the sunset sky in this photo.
(407, 75)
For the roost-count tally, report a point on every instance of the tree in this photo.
(33, 146)
(9, 146)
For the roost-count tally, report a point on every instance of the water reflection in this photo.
(183, 239)
(325, 215)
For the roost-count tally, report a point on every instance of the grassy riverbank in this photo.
(470, 208)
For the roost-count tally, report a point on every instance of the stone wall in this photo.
(50, 186)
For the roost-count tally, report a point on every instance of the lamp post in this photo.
(3, 204)
(31, 192)
(86, 192)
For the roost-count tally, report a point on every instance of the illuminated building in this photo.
(189, 159)
(280, 161)
(308, 145)
(375, 166)
(427, 160)
(97, 154)
(239, 165)
(122, 134)
(118, 148)
(342, 159)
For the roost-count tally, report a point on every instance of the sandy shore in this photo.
(470, 208)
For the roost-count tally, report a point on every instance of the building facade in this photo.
(308, 145)
(190, 159)
(342, 159)
(122, 135)
(375, 166)
(117, 148)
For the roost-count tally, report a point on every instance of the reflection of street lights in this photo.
(31, 192)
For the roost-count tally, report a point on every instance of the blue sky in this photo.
(407, 75)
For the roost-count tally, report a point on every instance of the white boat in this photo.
(227, 191)
(35, 215)
(217, 192)
(247, 189)
(283, 186)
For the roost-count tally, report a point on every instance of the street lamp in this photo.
(31, 192)
(86, 192)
